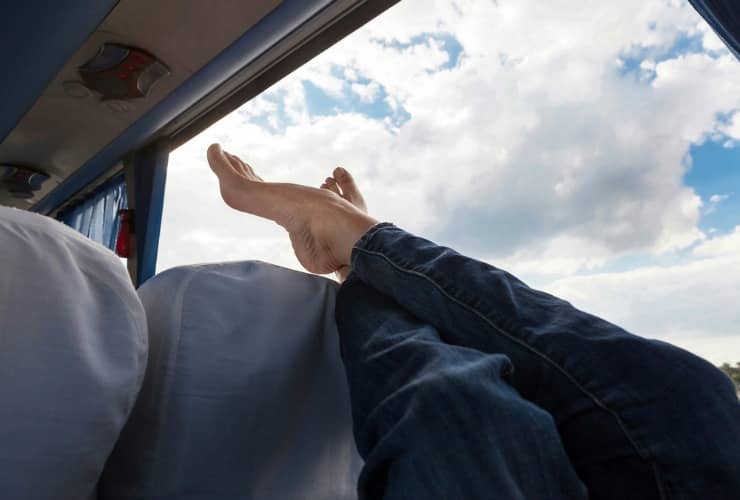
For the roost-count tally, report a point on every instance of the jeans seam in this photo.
(641, 452)
(658, 480)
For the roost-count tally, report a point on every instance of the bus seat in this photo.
(245, 394)
(72, 357)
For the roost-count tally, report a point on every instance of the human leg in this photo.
(638, 417)
(434, 420)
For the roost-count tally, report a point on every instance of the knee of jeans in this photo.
(477, 387)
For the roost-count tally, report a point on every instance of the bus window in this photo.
(593, 159)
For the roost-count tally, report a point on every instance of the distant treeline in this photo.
(733, 372)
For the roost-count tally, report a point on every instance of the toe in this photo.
(231, 182)
(219, 162)
(350, 191)
(331, 185)
(346, 182)
(242, 167)
(236, 164)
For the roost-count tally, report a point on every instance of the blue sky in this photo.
(600, 162)
(715, 171)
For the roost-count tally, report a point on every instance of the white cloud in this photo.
(350, 75)
(560, 256)
(366, 92)
(322, 76)
(732, 127)
(714, 201)
(710, 41)
(721, 246)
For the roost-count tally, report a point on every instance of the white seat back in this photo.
(245, 394)
(72, 356)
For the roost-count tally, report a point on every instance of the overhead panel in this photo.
(72, 121)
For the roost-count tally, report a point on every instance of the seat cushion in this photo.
(245, 394)
(72, 357)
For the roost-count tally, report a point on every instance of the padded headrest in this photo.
(72, 357)
(245, 394)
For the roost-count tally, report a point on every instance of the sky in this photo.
(590, 148)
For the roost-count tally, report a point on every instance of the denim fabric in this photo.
(466, 383)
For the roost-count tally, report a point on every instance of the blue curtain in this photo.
(97, 216)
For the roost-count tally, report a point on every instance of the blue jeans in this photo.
(467, 384)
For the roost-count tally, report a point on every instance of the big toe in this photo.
(348, 184)
(218, 161)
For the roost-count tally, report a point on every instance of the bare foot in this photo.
(322, 224)
(343, 184)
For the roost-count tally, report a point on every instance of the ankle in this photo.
(358, 224)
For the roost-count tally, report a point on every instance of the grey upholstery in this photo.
(245, 396)
(72, 357)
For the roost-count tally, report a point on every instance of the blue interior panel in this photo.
(150, 175)
(36, 40)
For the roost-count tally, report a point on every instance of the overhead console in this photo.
(119, 72)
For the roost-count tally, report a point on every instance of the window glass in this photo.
(591, 148)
